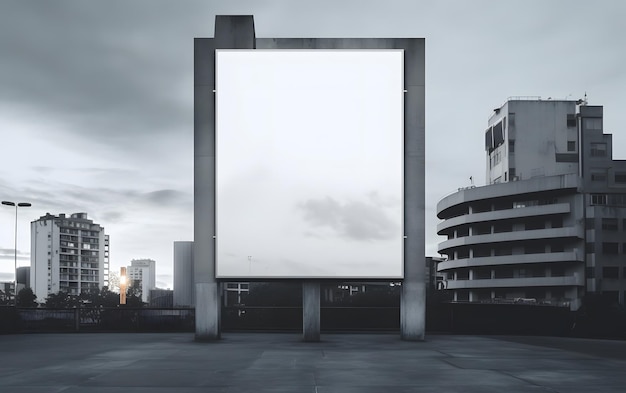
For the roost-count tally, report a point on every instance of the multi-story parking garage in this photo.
(550, 224)
(516, 240)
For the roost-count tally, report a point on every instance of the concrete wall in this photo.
(539, 133)
(184, 286)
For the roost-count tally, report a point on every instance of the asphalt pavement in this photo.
(266, 362)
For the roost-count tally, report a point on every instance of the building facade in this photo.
(68, 254)
(550, 224)
(144, 272)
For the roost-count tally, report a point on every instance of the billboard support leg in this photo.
(310, 311)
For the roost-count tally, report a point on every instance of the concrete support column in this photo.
(311, 311)
(413, 299)
(208, 311)
(231, 32)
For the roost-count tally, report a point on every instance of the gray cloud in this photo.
(165, 197)
(112, 216)
(110, 73)
(9, 253)
(355, 220)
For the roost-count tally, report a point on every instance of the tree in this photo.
(26, 298)
(133, 294)
(61, 300)
(5, 298)
(100, 298)
(114, 282)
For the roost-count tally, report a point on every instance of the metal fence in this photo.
(464, 318)
(99, 319)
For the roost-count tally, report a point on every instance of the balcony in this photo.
(550, 257)
(507, 214)
(514, 236)
(575, 280)
(547, 184)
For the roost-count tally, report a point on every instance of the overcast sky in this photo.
(96, 97)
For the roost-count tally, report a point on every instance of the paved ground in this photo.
(247, 362)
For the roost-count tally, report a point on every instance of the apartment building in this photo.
(69, 254)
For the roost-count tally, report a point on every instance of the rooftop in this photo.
(262, 362)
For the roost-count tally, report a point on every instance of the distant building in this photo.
(184, 286)
(69, 254)
(161, 298)
(143, 271)
(550, 225)
(23, 277)
(7, 291)
(433, 277)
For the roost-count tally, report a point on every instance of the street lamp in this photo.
(123, 285)
(20, 204)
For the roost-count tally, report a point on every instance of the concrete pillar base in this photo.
(311, 311)
(413, 311)
(207, 312)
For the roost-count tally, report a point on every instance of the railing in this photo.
(98, 319)
(465, 318)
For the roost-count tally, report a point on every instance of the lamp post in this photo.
(20, 204)
(123, 285)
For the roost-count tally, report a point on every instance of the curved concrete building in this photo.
(514, 240)
(550, 224)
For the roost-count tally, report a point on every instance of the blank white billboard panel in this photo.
(309, 163)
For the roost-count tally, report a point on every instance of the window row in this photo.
(601, 175)
(611, 272)
(608, 199)
(486, 273)
(501, 227)
(607, 248)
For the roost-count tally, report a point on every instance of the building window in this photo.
(611, 295)
(558, 271)
(598, 199)
(502, 227)
(557, 248)
(505, 251)
(534, 249)
(511, 146)
(610, 272)
(462, 295)
(571, 120)
(593, 123)
(571, 145)
(534, 224)
(590, 248)
(610, 248)
(512, 174)
(599, 176)
(590, 272)
(620, 177)
(598, 149)
(609, 224)
(511, 119)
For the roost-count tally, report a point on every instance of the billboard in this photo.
(309, 164)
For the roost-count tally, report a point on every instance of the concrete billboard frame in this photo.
(237, 32)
